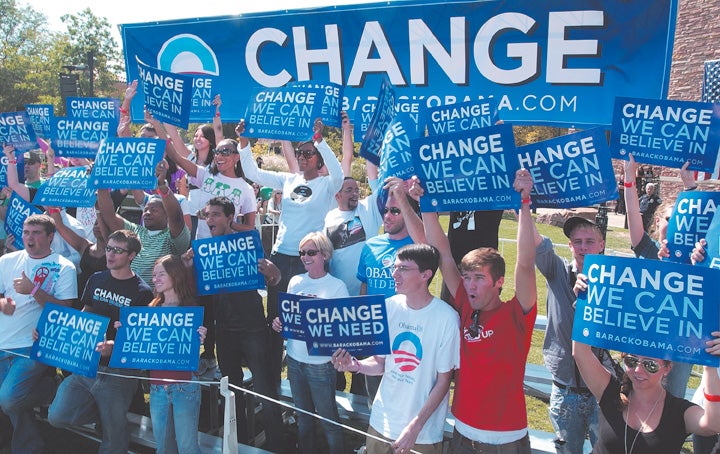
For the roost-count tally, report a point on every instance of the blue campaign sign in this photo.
(330, 103)
(67, 188)
(67, 339)
(649, 308)
(94, 109)
(408, 108)
(465, 116)
(571, 171)
(689, 222)
(286, 113)
(396, 155)
(383, 115)
(41, 116)
(468, 170)
(158, 338)
(167, 95)
(291, 315)
(712, 248)
(357, 323)
(559, 62)
(79, 138)
(666, 133)
(228, 263)
(127, 162)
(18, 210)
(16, 129)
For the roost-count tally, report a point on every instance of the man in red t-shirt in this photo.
(489, 402)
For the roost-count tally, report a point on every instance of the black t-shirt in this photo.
(105, 295)
(239, 311)
(89, 265)
(668, 437)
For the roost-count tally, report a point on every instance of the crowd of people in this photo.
(327, 243)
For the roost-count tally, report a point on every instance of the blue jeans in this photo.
(82, 400)
(181, 402)
(313, 390)
(22, 387)
(572, 416)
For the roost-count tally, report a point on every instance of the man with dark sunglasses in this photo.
(106, 398)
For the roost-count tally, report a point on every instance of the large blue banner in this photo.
(18, 210)
(158, 338)
(571, 171)
(228, 263)
(666, 133)
(649, 308)
(465, 116)
(557, 62)
(67, 339)
(284, 113)
(127, 163)
(469, 170)
(17, 130)
(689, 222)
(67, 188)
(41, 116)
(291, 315)
(357, 323)
(167, 95)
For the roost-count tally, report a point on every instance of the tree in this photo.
(92, 44)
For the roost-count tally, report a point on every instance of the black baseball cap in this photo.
(573, 222)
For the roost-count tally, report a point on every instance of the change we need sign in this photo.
(68, 338)
(667, 133)
(468, 170)
(570, 171)
(158, 338)
(357, 323)
(291, 315)
(648, 307)
(228, 263)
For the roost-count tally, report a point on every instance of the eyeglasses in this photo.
(116, 250)
(649, 365)
(309, 252)
(306, 153)
(403, 268)
(394, 211)
(351, 190)
(474, 329)
(225, 151)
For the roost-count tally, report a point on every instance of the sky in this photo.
(132, 11)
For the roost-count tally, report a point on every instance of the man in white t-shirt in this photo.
(411, 405)
(29, 278)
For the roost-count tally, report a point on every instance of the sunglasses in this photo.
(225, 151)
(394, 211)
(116, 250)
(306, 153)
(309, 252)
(649, 365)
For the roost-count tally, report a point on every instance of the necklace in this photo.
(643, 424)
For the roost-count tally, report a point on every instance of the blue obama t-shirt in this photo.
(376, 264)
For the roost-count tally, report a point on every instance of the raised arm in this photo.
(335, 171)
(594, 374)
(289, 153)
(12, 174)
(174, 151)
(435, 236)
(217, 122)
(632, 203)
(398, 189)
(274, 180)
(176, 223)
(348, 146)
(525, 286)
(75, 241)
(123, 129)
(107, 211)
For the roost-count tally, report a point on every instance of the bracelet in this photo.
(53, 210)
(12, 161)
(629, 184)
(353, 360)
(528, 201)
(711, 397)
(35, 289)
(317, 137)
(124, 111)
(691, 188)
(217, 114)
(162, 194)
